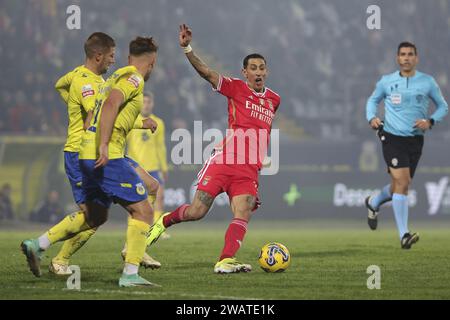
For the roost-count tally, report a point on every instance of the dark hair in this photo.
(252, 56)
(407, 44)
(142, 45)
(98, 42)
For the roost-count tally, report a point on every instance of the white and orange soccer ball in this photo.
(274, 257)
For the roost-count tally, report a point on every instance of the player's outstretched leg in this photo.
(233, 240)
(242, 206)
(197, 210)
(373, 205)
(159, 209)
(156, 217)
(67, 228)
(165, 221)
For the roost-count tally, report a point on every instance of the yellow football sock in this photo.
(72, 245)
(136, 241)
(68, 227)
(152, 199)
(125, 245)
(156, 215)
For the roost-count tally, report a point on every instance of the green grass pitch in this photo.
(328, 262)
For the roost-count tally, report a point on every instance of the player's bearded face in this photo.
(407, 59)
(108, 59)
(255, 73)
(150, 66)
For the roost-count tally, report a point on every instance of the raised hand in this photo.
(185, 35)
(185, 38)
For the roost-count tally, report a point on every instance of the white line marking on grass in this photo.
(143, 293)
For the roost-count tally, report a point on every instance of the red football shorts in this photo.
(234, 179)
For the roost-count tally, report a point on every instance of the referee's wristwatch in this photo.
(431, 122)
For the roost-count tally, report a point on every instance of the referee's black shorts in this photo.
(401, 152)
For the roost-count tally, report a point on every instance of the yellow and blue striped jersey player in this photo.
(80, 98)
(108, 176)
(149, 150)
(78, 89)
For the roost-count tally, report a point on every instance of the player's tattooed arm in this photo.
(202, 68)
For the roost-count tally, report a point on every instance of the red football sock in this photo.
(233, 238)
(175, 216)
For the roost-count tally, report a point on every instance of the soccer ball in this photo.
(274, 257)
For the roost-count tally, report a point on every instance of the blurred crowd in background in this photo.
(323, 59)
(49, 210)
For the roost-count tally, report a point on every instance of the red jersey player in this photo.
(234, 166)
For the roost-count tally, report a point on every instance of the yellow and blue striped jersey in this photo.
(63, 83)
(131, 84)
(82, 85)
